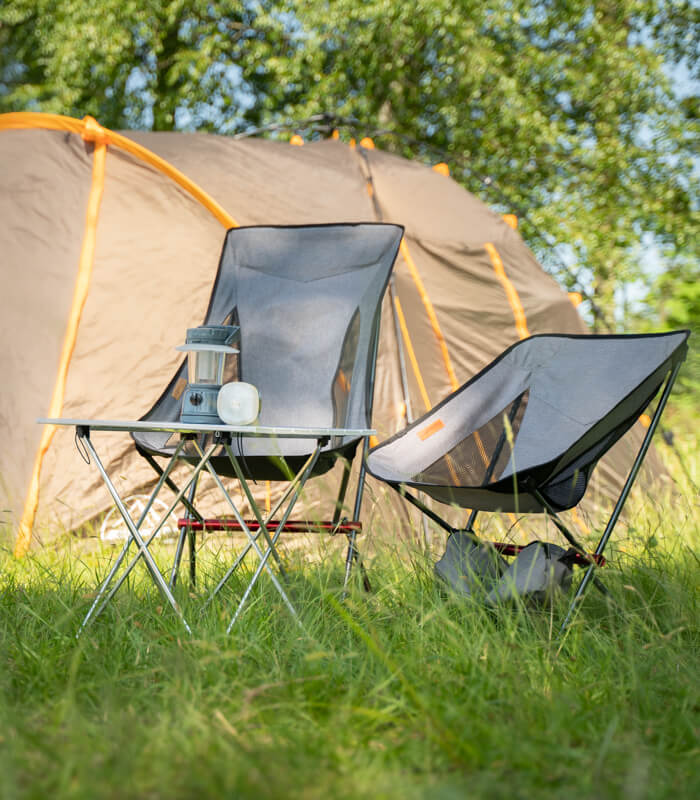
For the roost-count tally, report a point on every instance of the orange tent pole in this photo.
(30, 119)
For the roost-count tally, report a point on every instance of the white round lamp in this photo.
(238, 403)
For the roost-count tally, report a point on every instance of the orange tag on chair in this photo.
(434, 427)
(179, 388)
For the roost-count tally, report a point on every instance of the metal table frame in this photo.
(221, 436)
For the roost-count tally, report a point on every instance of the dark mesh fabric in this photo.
(568, 492)
(307, 299)
(579, 395)
(481, 457)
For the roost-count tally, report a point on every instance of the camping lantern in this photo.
(209, 360)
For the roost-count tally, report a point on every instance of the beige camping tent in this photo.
(110, 243)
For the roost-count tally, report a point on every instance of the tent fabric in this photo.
(80, 293)
(156, 253)
(307, 299)
(538, 417)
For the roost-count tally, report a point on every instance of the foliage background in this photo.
(581, 117)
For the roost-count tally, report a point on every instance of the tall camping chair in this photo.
(525, 433)
(308, 303)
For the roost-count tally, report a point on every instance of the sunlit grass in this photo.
(400, 693)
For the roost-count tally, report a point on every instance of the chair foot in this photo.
(353, 554)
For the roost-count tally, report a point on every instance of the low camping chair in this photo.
(308, 303)
(524, 434)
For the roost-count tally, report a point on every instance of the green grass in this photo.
(399, 694)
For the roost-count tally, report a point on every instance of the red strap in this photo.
(291, 526)
(507, 549)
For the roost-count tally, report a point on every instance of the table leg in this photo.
(303, 477)
(254, 506)
(155, 572)
(253, 540)
(249, 546)
(147, 556)
(178, 498)
(125, 549)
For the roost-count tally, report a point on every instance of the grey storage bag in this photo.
(476, 569)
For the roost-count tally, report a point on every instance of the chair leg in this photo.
(185, 530)
(420, 505)
(472, 519)
(178, 556)
(588, 575)
(342, 491)
(353, 554)
(570, 538)
(192, 542)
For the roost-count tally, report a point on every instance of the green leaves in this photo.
(582, 116)
(565, 106)
(151, 64)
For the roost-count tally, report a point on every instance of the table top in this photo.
(182, 427)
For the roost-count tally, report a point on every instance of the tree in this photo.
(561, 111)
(565, 107)
(160, 64)
(673, 303)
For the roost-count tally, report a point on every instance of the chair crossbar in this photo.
(291, 526)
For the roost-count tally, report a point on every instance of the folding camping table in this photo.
(204, 440)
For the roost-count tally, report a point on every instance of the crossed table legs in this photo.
(105, 593)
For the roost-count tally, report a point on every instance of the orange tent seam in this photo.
(80, 294)
(432, 316)
(510, 290)
(412, 354)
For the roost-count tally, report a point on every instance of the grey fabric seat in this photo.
(525, 434)
(307, 299)
(564, 401)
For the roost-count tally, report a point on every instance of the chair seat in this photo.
(269, 468)
(538, 418)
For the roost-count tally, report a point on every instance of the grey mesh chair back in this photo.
(307, 299)
(541, 415)
(525, 433)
